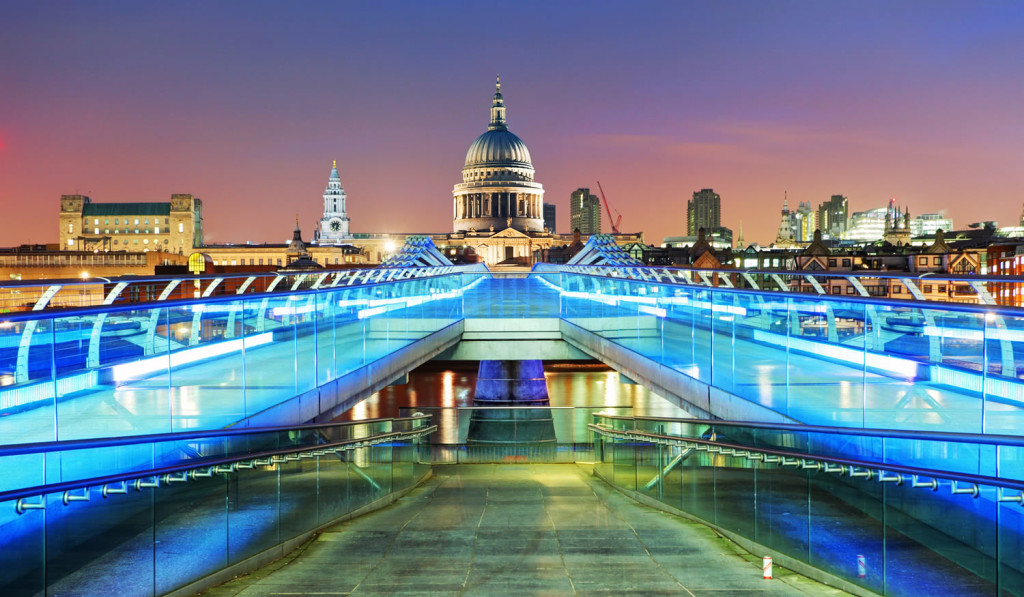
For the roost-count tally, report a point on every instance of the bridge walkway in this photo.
(519, 529)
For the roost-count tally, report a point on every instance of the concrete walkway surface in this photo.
(519, 530)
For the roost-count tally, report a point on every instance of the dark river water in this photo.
(451, 384)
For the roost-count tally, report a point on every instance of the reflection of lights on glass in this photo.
(990, 317)
(611, 388)
(448, 388)
(359, 411)
(389, 246)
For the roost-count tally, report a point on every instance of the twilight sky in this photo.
(245, 104)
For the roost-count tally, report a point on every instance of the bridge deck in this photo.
(519, 530)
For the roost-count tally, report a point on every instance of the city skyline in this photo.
(245, 106)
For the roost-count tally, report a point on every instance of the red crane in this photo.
(615, 222)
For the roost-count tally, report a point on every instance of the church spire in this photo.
(498, 110)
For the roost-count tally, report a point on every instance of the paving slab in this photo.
(518, 530)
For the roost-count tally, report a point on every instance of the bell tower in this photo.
(334, 224)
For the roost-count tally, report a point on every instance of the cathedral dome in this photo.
(498, 190)
(497, 148)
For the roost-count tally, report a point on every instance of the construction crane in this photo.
(615, 222)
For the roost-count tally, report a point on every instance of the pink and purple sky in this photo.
(245, 104)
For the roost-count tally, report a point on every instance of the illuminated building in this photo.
(497, 189)
(334, 223)
(175, 226)
(703, 211)
(584, 212)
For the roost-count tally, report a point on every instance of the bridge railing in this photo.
(890, 527)
(166, 524)
(909, 287)
(187, 363)
(820, 359)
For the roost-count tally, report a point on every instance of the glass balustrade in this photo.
(833, 504)
(230, 496)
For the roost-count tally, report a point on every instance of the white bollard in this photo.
(766, 567)
(862, 569)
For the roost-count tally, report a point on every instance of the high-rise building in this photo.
(549, 217)
(585, 212)
(832, 216)
(804, 222)
(703, 211)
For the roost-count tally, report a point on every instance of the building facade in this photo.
(832, 216)
(497, 189)
(549, 218)
(174, 227)
(584, 212)
(704, 210)
(334, 224)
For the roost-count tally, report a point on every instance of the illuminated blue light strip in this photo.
(144, 367)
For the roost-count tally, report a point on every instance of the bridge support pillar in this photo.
(511, 384)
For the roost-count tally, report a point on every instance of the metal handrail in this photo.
(150, 478)
(130, 440)
(948, 436)
(849, 467)
(66, 312)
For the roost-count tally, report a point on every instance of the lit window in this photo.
(145, 241)
(146, 222)
(95, 230)
(136, 221)
(115, 221)
(71, 228)
(181, 226)
(71, 242)
(156, 230)
(96, 222)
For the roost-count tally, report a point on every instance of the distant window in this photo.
(167, 220)
(95, 230)
(71, 228)
(897, 290)
(181, 226)
(279, 262)
(942, 288)
(927, 288)
(136, 221)
(106, 222)
(846, 263)
(831, 262)
(849, 290)
(156, 230)
(96, 222)
(166, 241)
(145, 241)
(261, 261)
(146, 222)
(115, 221)
(922, 261)
(115, 241)
(234, 262)
(937, 261)
(71, 242)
